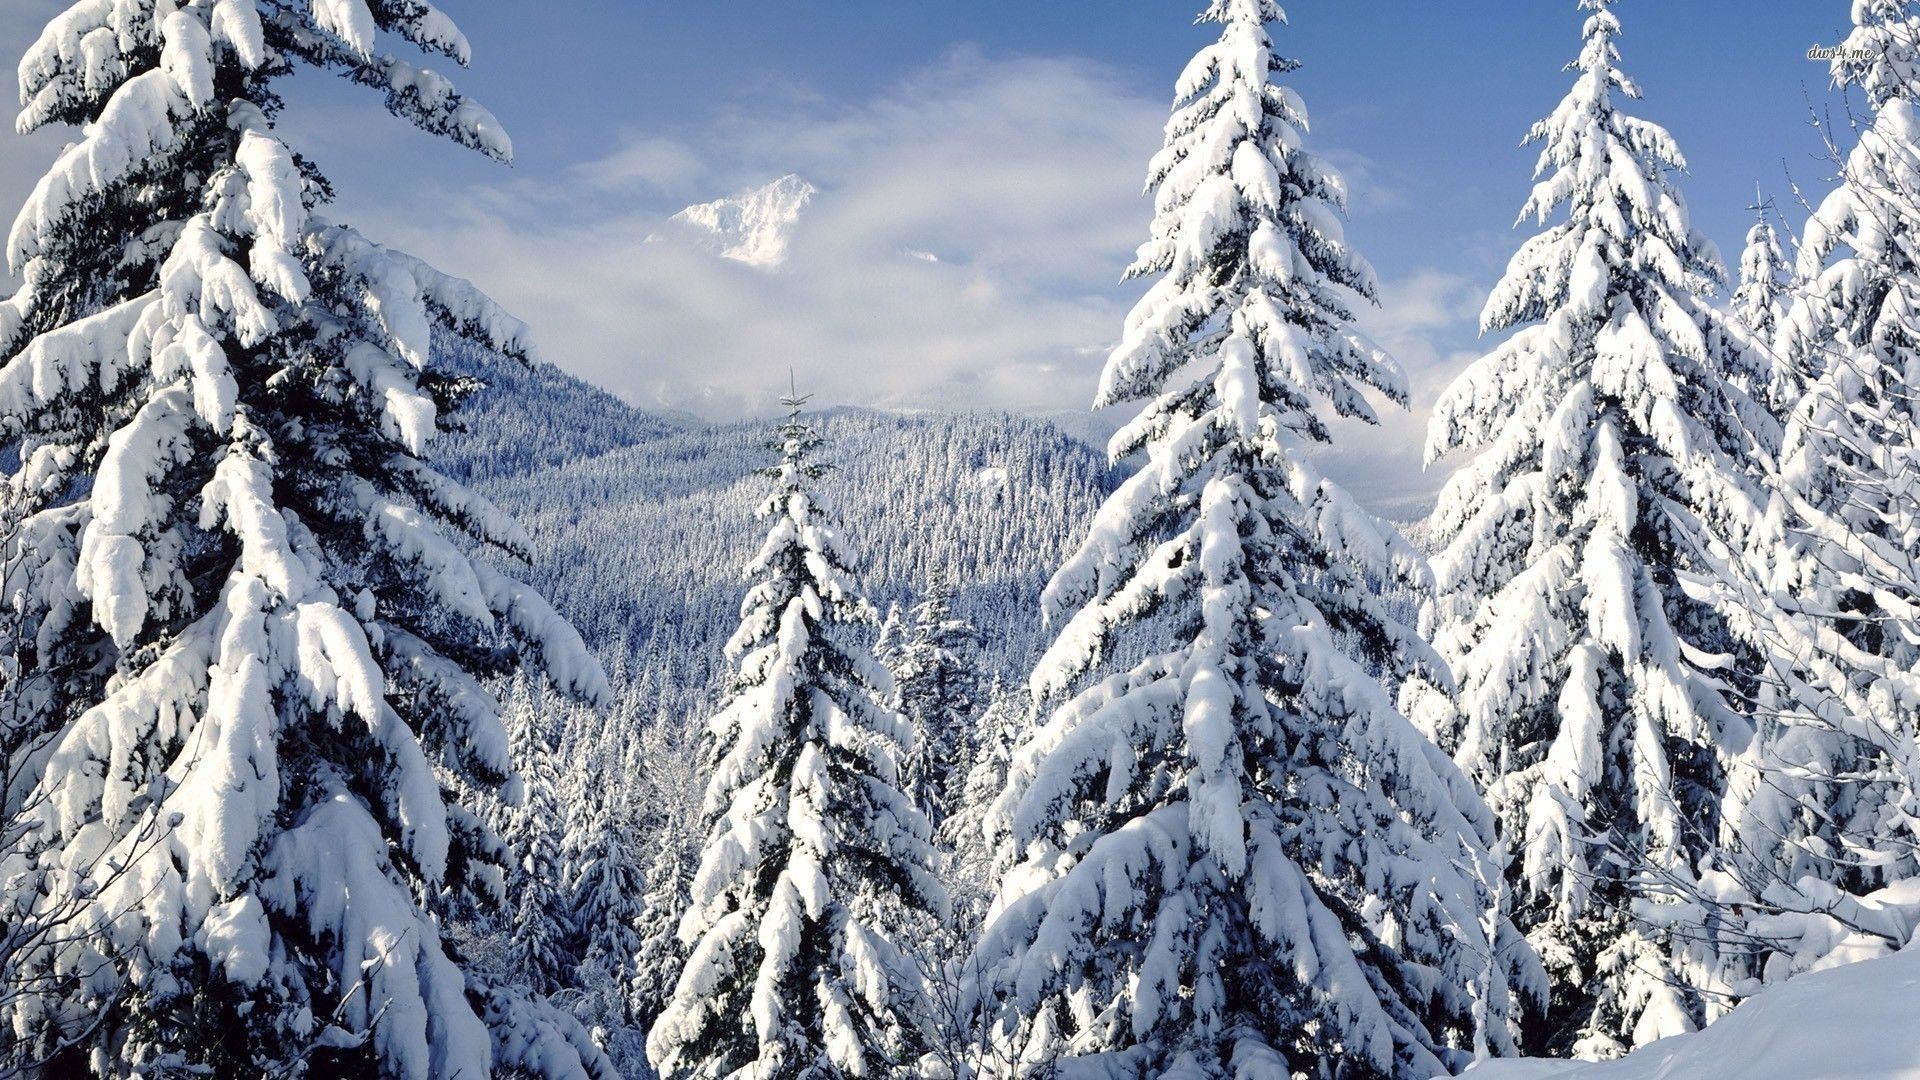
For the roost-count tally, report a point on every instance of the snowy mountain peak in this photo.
(752, 227)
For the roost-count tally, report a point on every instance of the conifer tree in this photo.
(1828, 813)
(1236, 858)
(937, 684)
(672, 796)
(891, 639)
(607, 898)
(1579, 551)
(658, 956)
(1760, 302)
(1760, 306)
(538, 924)
(609, 886)
(813, 845)
(974, 862)
(251, 641)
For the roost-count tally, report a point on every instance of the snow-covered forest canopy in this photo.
(379, 697)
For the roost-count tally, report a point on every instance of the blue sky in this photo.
(1009, 139)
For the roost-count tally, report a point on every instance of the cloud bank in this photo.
(962, 252)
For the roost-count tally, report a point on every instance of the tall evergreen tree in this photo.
(609, 885)
(608, 900)
(974, 861)
(813, 845)
(937, 682)
(1236, 858)
(672, 796)
(892, 638)
(658, 956)
(537, 922)
(1607, 497)
(248, 662)
(1829, 811)
(1760, 302)
(1760, 306)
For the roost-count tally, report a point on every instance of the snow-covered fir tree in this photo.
(891, 639)
(991, 745)
(671, 793)
(972, 851)
(539, 924)
(1828, 813)
(250, 641)
(814, 849)
(1237, 858)
(937, 685)
(658, 956)
(1608, 494)
(1760, 304)
(609, 884)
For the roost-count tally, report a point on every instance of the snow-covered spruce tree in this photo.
(1595, 691)
(1760, 304)
(537, 923)
(609, 885)
(607, 879)
(971, 848)
(247, 650)
(658, 956)
(1830, 813)
(937, 683)
(671, 792)
(1236, 858)
(814, 848)
(609, 899)
(1766, 278)
(891, 639)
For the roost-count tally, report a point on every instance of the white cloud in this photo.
(1429, 322)
(963, 251)
(1021, 177)
(1366, 189)
(645, 166)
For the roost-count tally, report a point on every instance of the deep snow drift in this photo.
(1855, 1022)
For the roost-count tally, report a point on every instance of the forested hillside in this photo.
(626, 508)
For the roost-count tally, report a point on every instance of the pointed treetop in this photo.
(1765, 209)
(1576, 160)
(794, 402)
(1762, 234)
(1245, 11)
(1598, 54)
(796, 440)
(1759, 299)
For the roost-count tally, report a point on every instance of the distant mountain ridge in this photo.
(752, 227)
(641, 524)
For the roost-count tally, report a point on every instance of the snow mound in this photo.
(1853, 1022)
(753, 227)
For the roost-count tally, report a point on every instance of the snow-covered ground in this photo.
(1856, 1022)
